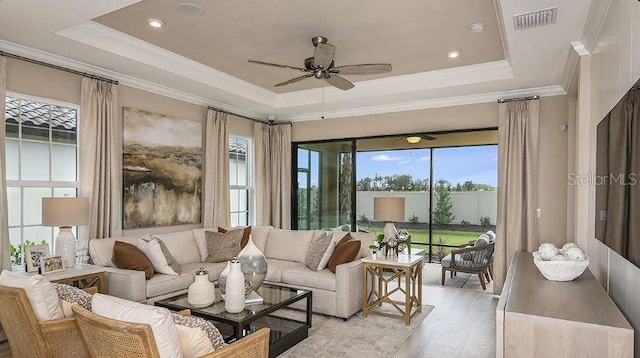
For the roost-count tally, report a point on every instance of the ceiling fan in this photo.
(416, 138)
(321, 66)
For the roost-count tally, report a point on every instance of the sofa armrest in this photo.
(128, 284)
(348, 288)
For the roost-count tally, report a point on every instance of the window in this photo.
(41, 155)
(240, 181)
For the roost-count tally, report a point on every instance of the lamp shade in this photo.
(65, 211)
(388, 209)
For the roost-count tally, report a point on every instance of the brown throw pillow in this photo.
(245, 235)
(346, 250)
(223, 247)
(127, 256)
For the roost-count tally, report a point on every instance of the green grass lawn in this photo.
(444, 237)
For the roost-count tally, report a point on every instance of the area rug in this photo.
(374, 336)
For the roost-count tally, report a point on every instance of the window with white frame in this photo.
(240, 181)
(41, 155)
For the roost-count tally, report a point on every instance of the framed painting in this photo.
(33, 254)
(162, 170)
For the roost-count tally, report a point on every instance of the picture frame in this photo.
(33, 254)
(51, 264)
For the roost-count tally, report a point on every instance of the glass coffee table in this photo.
(285, 332)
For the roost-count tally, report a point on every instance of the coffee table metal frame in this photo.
(257, 314)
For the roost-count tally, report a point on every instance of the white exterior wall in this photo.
(467, 205)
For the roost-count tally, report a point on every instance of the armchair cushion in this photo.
(160, 320)
(41, 293)
(69, 295)
(192, 330)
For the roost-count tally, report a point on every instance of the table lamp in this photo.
(388, 209)
(65, 212)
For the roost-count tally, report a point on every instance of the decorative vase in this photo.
(253, 264)
(202, 292)
(222, 279)
(66, 246)
(234, 295)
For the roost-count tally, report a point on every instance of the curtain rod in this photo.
(270, 121)
(41, 63)
(527, 98)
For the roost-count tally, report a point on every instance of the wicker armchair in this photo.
(106, 338)
(30, 338)
(472, 259)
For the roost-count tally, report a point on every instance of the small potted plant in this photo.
(378, 244)
(16, 258)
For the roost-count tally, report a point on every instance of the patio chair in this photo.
(30, 338)
(106, 337)
(471, 259)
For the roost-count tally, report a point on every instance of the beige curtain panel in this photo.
(5, 258)
(273, 174)
(216, 208)
(517, 226)
(100, 158)
(623, 199)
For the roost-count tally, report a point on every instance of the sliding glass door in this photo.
(323, 193)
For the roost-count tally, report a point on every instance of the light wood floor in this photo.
(462, 324)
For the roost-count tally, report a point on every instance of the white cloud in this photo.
(423, 158)
(404, 162)
(385, 158)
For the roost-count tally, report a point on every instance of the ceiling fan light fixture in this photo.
(414, 140)
(155, 23)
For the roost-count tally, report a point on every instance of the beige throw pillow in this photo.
(316, 251)
(223, 247)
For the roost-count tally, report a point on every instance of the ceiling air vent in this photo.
(535, 18)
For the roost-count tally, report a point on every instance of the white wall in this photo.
(467, 205)
(605, 76)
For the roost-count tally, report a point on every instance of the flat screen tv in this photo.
(617, 177)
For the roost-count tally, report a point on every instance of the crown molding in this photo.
(595, 19)
(571, 64)
(457, 76)
(105, 38)
(497, 5)
(125, 80)
(426, 104)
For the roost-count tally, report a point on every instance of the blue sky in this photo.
(457, 165)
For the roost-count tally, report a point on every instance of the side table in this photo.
(407, 268)
(88, 276)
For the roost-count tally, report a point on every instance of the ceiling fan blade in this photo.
(339, 82)
(428, 137)
(364, 69)
(323, 55)
(276, 65)
(293, 80)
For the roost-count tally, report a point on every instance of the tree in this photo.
(364, 184)
(442, 213)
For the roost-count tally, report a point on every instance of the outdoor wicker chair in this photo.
(107, 338)
(29, 338)
(472, 259)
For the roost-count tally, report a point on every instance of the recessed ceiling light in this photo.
(476, 28)
(189, 9)
(453, 54)
(157, 23)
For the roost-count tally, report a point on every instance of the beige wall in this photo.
(605, 76)
(554, 111)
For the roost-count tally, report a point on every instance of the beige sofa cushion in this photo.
(277, 267)
(163, 284)
(290, 245)
(302, 276)
(367, 239)
(182, 245)
(260, 235)
(213, 268)
(101, 250)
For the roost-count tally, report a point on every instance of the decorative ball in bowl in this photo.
(569, 263)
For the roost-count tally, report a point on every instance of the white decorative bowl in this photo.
(560, 270)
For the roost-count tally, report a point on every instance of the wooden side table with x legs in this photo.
(88, 276)
(407, 268)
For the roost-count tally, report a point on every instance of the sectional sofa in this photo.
(337, 294)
